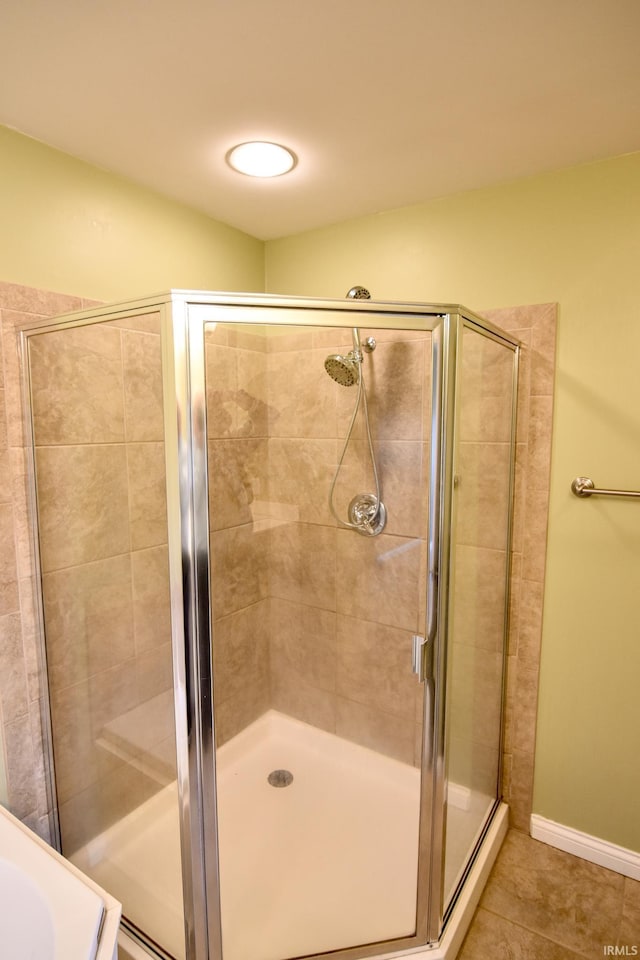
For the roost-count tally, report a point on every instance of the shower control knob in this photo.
(369, 344)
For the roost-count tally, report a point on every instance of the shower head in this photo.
(344, 370)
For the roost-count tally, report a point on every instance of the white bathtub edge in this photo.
(107, 946)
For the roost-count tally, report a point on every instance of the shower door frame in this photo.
(445, 322)
(183, 316)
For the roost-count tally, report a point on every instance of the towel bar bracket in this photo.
(584, 487)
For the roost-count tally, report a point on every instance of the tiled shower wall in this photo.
(310, 619)
(313, 658)
(535, 327)
(481, 562)
(97, 394)
(264, 519)
(344, 607)
(99, 439)
(237, 427)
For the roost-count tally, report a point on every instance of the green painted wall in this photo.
(70, 227)
(571, 237)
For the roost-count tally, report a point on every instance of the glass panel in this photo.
(317, 712)
(477, 594)
(99, 451)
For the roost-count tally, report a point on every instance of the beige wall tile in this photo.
(543, 360)
(378, 578)
(5, 467)
(474, 686)
(334, 339)
(88, 614)
(76, 757)
(9, 600)
(145, 323)
(29, 616)
(154, 670)
(241, 653)
(236, 713)
(83, 505)
(239, 567)
(354, 476)
(520, 796)
(302, 564)
(147, 494)
(479, 586)
(151, 597)
(515, 600)
(403, 468)
(15, 296)
(486, 389)
(302, 643)
(20, 767)
(5, 475)
(12, 375)
(238, 481)
(391, 735)
(300, 475)
(21, 522)
(395, 380)
(89, 813)
(535, 535)
(519, 498)
(483, 494)
(112, 693)
(248, 336)
(526, 698)
(76, 386)
(13, 677)
(35, 720)
(539, 443)
(374, 667)
(221, 389)
(295, 696)
(530, 621)
(143, 397)
(288, 339)
(252, 399)
(302, 398)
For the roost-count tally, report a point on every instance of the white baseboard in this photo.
(583, 845)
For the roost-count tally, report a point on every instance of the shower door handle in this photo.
(420, 654)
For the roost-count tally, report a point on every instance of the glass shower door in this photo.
(480, 542)
(98, 447)
(318, 715)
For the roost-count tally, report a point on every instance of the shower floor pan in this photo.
(326, 862)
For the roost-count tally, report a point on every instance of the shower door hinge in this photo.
(419, 659)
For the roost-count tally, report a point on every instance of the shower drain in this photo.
(280, 778)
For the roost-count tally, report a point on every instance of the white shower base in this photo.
(325, 863)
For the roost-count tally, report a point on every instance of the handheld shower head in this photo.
(344, 370)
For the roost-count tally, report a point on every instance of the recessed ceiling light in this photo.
(261, 159)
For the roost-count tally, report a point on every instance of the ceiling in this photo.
(385, 102)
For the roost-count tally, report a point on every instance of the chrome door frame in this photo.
(282, 312)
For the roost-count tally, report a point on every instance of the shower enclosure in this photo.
(274, 717)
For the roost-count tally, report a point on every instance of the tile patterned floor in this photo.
(543, 904)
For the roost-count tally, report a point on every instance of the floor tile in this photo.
(493, 938)
(563, 898)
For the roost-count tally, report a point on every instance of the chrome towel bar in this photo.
(584, 487)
